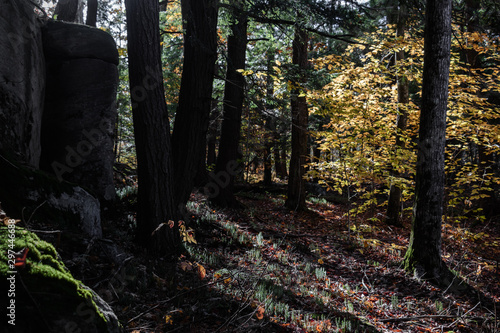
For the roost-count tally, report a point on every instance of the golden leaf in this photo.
(201, 272)
(260, 313)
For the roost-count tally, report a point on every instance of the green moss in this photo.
(44, 273)
(408, 262)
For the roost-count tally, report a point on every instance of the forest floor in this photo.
(268, 269)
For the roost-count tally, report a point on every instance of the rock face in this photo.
(80, 110)
(58, 86)
(22, 81)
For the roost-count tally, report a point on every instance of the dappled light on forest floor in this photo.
(267, 269)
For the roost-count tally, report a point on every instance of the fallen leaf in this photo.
(201, 272)
(259, 313)
(8, 221)
(186, 266)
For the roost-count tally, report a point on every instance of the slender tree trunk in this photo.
(191, 119)
(213, 128)
(69, 11)
(485, 159)
(270, 121)
(151, 129)
(91, 13)
(395, 192)
(283, 158)
(268, 176)
(296, 199)
(277, 161)
(423, 257)
(228, 159)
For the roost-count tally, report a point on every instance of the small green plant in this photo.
(260, 239)
(126, 191)
(320, 273)
(394, 301)
(349, 306)
(261, 293)
(316, 200)
(439, 306)
(255, 255)
(283, 257)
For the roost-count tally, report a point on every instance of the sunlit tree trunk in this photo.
(296, 195)
(423, 257)
(228, 159)
(395, 192)
(155, 204)
(192, 116)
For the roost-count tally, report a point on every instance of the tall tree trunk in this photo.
(191, 119)
(423, 257)
(277, 161)
(69, 11)
(283, 156)
(268, 176)
(151, 129)
(91, 13)
(485, 159)
(270, 121)
(228, 163)
(296, 199)
(395, 192)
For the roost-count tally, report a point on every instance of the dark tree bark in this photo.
(296, 199)
(423, 257)
(151, 129)
(277, 161)
(268, 176)
(191, 119)
(234, 93)
(91, 13)
(270, 121)
(395, 192)
(283, 156)
(69, 11)
(212, 140)
(472, 58)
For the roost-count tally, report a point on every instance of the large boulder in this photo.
(80, 106)
(22, 81)
(42, 295)
(35, 196)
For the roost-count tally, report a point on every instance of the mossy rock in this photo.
(46, 296)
